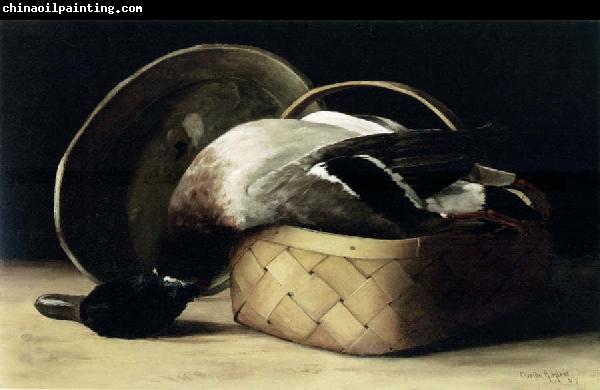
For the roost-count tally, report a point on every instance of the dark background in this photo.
(538, 78)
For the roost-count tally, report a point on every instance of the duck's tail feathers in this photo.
(468, 198)
(510, 202)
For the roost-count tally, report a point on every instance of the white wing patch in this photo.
(320, 170)
(398, 179)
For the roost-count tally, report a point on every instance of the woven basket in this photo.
(368, 296)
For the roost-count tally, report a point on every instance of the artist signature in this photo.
(562, 376)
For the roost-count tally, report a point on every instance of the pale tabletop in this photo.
(207, 349)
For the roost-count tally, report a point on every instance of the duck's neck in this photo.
(197, 256)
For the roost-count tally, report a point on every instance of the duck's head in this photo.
(143, 304)
(138, 306)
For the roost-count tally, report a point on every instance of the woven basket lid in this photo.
(114, 182)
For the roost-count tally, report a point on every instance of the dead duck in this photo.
(142, 305)
(388, 181)
(360, 179)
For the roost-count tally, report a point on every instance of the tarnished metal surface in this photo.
(114, 182)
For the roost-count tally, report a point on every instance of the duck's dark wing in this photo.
(426, 160)
(369, 177)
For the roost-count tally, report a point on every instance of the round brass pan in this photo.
(114, 182)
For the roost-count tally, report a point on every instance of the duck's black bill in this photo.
(59, 306)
